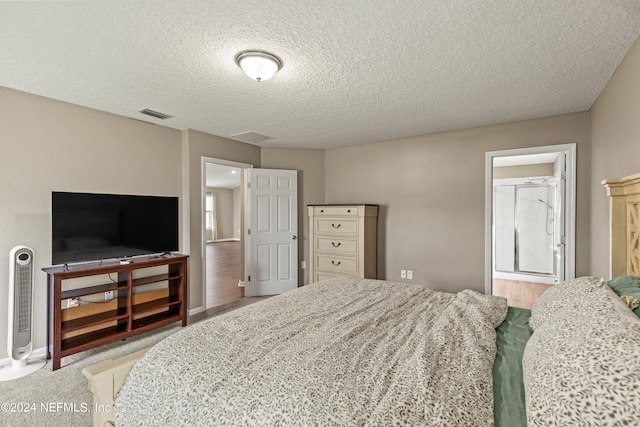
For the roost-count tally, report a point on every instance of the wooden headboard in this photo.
(624, 221)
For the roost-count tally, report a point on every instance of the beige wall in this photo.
(196, 145)
(431, 195)
(225, 214)
(615, 148)
(310, 167)
(48, 145)
(237, 212)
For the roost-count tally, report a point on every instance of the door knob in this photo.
(294, 237)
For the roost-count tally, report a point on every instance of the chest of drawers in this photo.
(343, 241)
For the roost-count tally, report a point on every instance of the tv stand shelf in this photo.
(77, 293)
(133, 310)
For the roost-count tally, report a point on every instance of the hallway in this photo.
(223, 273)
(519, 294)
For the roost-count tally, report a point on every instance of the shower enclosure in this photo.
(528, 222)
(530, 211)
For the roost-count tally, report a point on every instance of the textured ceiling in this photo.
(355, 71)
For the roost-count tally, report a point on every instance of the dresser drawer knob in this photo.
(334, 244)
(335, 226)
(334, 263)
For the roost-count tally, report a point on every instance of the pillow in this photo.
(627, 286)
(582, 366)
(621, 306)
(565, 296)
(632, 302)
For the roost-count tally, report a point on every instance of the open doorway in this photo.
(222, 231)
(262, 262)
(530, 202)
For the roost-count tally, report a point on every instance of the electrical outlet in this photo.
(403, 274)
(73, 302)
(303, 264)
(108, 295)
(410, 274)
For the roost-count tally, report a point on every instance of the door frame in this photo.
(203, 192)
(570, 197)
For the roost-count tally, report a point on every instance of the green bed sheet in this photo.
(508, 387)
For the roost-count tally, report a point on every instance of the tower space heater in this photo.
(20, 333)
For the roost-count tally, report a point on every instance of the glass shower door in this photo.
(535, 227)
(504, 228)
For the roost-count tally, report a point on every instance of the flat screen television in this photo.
(92, 227)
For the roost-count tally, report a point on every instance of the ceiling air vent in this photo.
(156, 114)
(252, 137)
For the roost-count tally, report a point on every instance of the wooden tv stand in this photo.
(147, 293)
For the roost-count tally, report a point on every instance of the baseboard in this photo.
(38, 353)
(197, 310)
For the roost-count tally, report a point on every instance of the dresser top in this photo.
(342, 204)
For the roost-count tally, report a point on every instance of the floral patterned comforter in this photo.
(340, 352)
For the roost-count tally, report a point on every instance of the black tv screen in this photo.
(91, 227)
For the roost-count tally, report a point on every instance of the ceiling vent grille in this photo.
(156, 114)
(251, 137)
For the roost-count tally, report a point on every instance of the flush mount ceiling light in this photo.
(257, 64)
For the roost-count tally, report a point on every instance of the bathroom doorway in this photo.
(530, 202)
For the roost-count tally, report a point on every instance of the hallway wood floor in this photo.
(223, 273)
(519, 294)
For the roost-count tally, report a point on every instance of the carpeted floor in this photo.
(62, 398)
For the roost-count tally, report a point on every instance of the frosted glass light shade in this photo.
(258, 65)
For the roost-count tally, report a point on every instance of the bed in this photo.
(351, 351)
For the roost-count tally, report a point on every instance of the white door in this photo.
(559, 220)
(273, 232)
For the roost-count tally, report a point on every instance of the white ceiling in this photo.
(355, 71)
(220, 176)
(525, 159)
